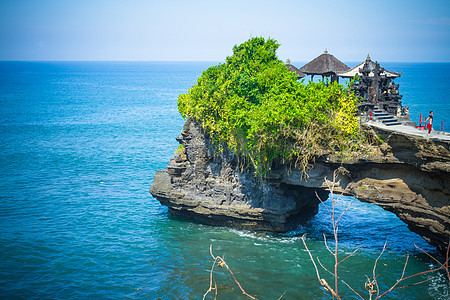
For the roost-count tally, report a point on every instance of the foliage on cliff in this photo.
(255, 106)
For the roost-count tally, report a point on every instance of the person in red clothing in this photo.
(430, 123)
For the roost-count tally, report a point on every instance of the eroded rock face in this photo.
(408, 176)
(200, 185)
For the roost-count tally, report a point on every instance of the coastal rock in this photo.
(207, 187)
(407, 175)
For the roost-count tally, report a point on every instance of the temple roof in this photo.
(294, 69)
(371, 65)
(325, 64)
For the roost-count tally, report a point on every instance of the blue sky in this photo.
(172, 30)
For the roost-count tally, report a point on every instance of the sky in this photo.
(200, 30)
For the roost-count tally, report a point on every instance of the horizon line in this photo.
(182, 61)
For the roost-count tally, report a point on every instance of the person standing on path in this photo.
(430, 123)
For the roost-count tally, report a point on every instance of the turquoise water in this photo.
(80, 144)
(425, 87)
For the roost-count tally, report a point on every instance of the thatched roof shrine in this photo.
(292, 68)
(370, 65)
(325, 65)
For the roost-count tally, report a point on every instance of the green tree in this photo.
(255, 106)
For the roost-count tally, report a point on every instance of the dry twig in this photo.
(322, 281)
(211, 280)
(444, 265)
(221, 263)
(371, 285)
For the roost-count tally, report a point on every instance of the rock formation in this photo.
(409, 176)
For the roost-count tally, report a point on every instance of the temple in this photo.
(375, 87)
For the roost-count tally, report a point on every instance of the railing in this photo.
(426, 123)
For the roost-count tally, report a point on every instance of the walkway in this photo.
(435, 135)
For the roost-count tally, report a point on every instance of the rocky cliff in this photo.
(409, 176)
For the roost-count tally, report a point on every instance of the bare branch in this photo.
(430, 256)
(328, 185)
(237, 282)
(322, 282)
(446, 261)
(222, 263)
(448, 252)
(371, 285)
(282, 295)
(310, 255)
(210, 251)
(404, 268)
(375, 267)
(350, 255)
(351, 288)
(320, 263)
(323, 203)
(403, 278)
(394, 287)
(345, 210)
(336, 240)
(416, 283)
(444, 265)
(211, 278)
(326, 244)
(421, 273)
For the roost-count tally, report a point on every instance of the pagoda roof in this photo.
(294, 69)
(371, 65)
(325, 64)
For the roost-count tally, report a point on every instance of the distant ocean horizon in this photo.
(80, 144)
(421, 84)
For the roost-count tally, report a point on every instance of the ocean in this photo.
(80, 144)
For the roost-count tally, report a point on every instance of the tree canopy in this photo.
(256, 107)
